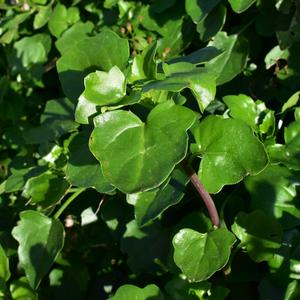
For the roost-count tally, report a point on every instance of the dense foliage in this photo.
(118, 117)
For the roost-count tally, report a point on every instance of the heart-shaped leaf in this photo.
(40, 240)
(200, 255)
(137, 156)
(129, 291)
(260, 234)
(229, 152)
(100, 52)
(104, 88)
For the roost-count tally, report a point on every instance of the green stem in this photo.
(68, 202)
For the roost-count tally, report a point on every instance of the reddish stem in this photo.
(207, 199)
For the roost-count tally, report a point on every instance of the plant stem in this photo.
(68, 202)
(207, 199)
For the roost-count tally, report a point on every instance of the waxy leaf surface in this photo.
(137, 156)
(200, 255)
(229, 152)
(40, 240)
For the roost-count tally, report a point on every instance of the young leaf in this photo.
(259, 234)
(200, 255)
(100, 52)
(229, 152)
(137, 156)
(232, 61)
(40, 240)
(103, 88)
(129, 291)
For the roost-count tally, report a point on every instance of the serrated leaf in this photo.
(100, 52)
(240, 6)
(259, 234)
(40, 240)
(103, 88)
(137, 156)
(129, 291)
(233, 59)
(229, 152)
(82, 169)
(149, 205)
(201, 83)
(200, 255)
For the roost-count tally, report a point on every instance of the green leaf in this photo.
(274, 55)
(4, 263)
(103, 88)
(42, 17)
(137, 156)
(73, 35)
(255, 114)
(153, 240)
(289, 153)
(199, 9)
(21, 290)
(144, 65)
(40, 240)
(129, 291)
(233, 59)
(201, 83)
(200, 255)
(82, 169)
(277, 185)
(240, 6)
(229, 152)
(149, 205)
(291, 102)
(259, 234)
(100, 52)
(46, 189)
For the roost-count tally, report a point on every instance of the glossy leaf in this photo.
(129, 291)
(229, 152)
(201, 84)
(233, 59)
(259, 234)
(240, 5)
(104, 88)
(82, 169)
(101, 52)
(149, 205)
(40, 240)
(137, 156)
(200, 255)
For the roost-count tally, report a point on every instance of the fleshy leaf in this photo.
(103, 88)
(149, 205)
(200, 255)
(229, 152)
(137, 156)
(259, 234)
(233, 59)
(100, 52)
(40, 240)
(82, 169)
(129, 291)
